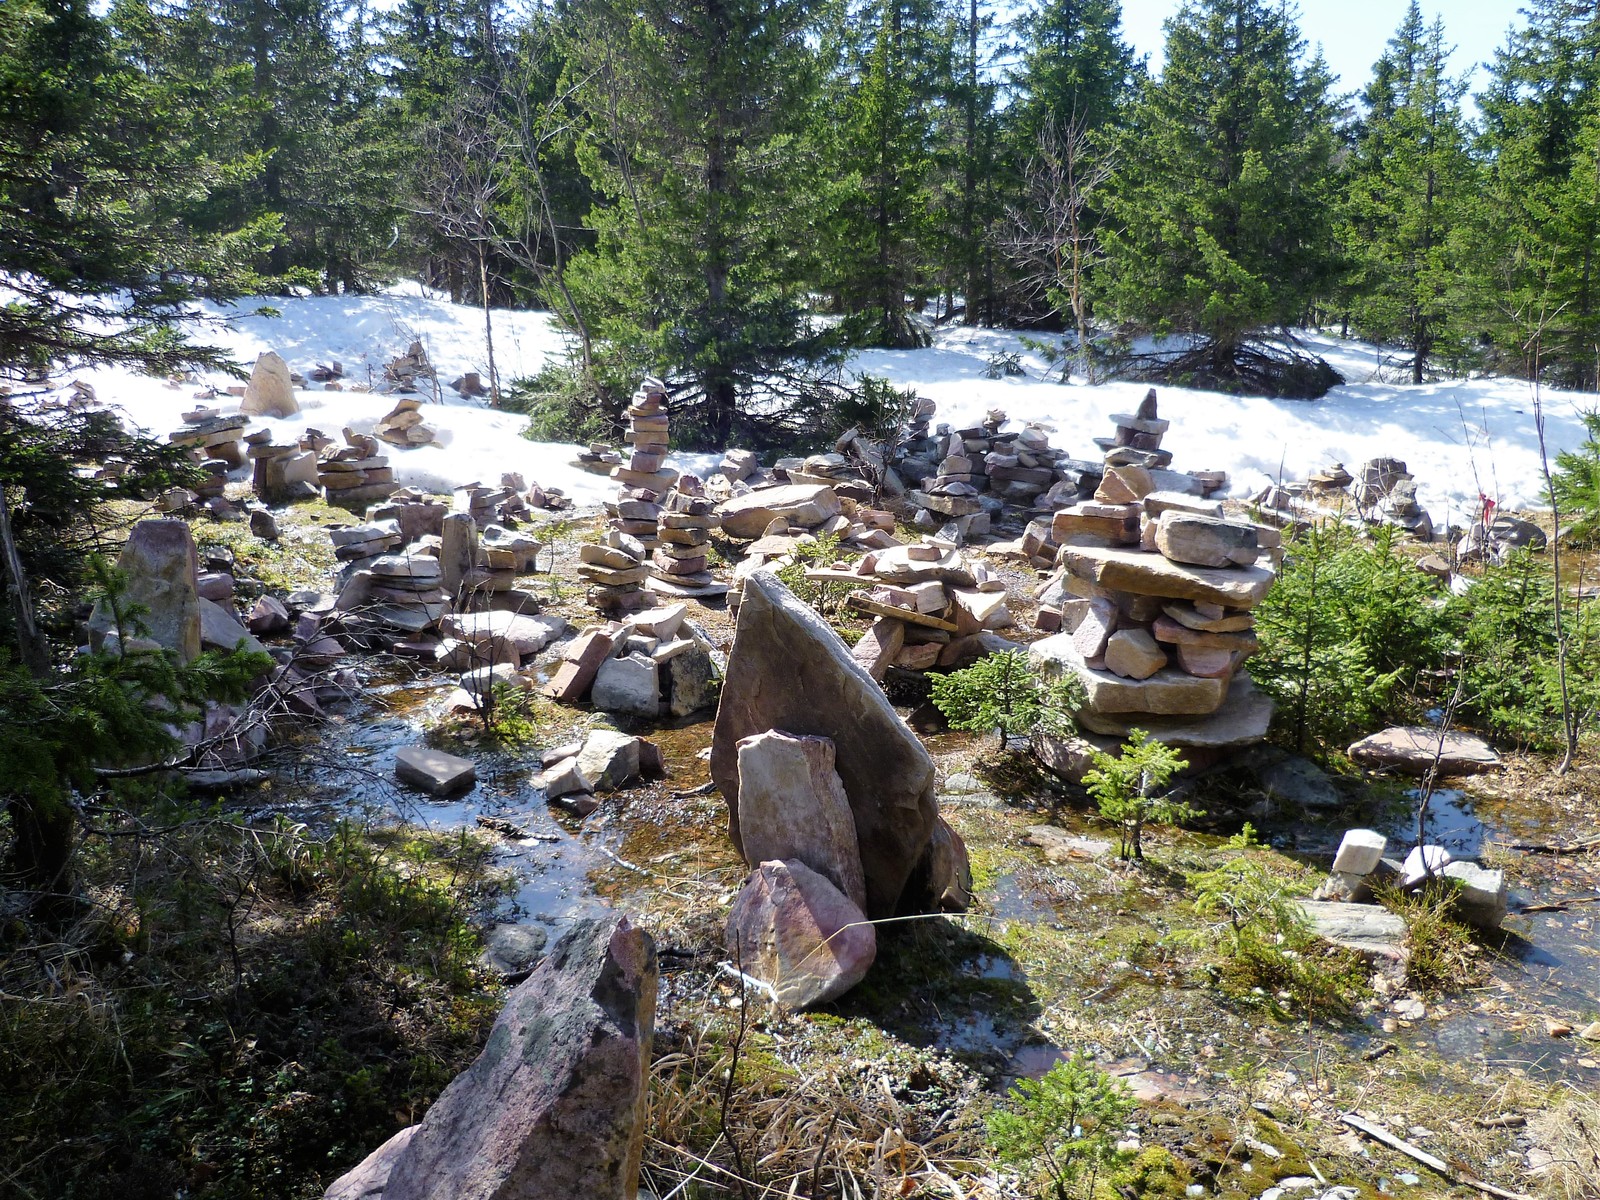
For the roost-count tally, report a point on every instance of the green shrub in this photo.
(1129, 789)
(1510, 656)
(1352, 635)
(1261, 934)
(1004, 693)
(1575, 484)
(1062, 1125)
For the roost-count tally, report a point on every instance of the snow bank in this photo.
(1459, 438)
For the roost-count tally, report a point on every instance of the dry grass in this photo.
(793, 1122)
(1570, 1132)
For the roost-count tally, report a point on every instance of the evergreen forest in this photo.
(732, 194)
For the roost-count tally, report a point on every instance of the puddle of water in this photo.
(343, 768)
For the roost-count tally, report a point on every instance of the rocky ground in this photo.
(1242, 1087)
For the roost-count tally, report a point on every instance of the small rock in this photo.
(1411, 749)
(263, 525)
(1557, 1029)
(562, 779)
(609, 759)
(433, 771)
(1360, 852)
(510, 950)
(1134, 654)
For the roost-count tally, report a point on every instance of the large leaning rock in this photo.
(160, 566)
(800, 935)
(270, 392)
(792, 805)
(789, 671)
(553, 1107)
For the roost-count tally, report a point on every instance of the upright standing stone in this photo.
(792, 805)
(458, 552)
(161, 569)
(553, 1107)
(270, 392)
(789, 671)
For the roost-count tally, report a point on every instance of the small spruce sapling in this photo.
(1062, 1123)
(1004, 693)
(1131, 789)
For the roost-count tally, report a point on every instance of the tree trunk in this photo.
(488, 324)
(31, 646)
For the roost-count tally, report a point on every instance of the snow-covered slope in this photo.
(1459, 438)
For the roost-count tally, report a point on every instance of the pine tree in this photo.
(1076, 70)
(1537, 236)
(1223, 202)
(878, 130)
(1409, 180)
(695, 111)
(98, 166)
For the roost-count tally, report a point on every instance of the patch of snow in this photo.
(1460, 438)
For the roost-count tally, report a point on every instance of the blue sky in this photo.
(1354, 32)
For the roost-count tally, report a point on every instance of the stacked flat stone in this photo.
(683, 538)
(357, 473)
(598, 459)
(979, 470)
(403, 426)
(616, 574)
(1154, 599)
(406, 592)
(370, 540)
(503, 554)
(280, 474)
(488, 505)
(636, 513)
(212, 438)
(402, 373)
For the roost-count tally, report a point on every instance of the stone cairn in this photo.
(403, 426)
(679, 563)
(356, 473)
(281, 474)
(967, 476)
(618, 571)
(1153, 598)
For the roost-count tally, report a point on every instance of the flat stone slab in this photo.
(1242, 720)
(1154, 575)
(1166, 693)
(1368, 929)
(1411, 749)
(433, 771)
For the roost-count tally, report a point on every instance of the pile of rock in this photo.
(494, 505)
(830, 800)
(281, 474)
(605, 761)
(356, 473)
(680, 561)
(646, 478)
(965, 477)
(1154, 596)
(653, 664)
(616, 574)
(209, 437)
(1481, 895)
(403, 372)
(403, 426)
(598, 459)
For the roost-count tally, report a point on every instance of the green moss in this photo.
(1154, 1174)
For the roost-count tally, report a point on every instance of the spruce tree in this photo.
(1536, 269)
(1223, 204)
(1410, 179)
(694, 114)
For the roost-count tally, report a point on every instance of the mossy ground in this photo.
(248, 1013)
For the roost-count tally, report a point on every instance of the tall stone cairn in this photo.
(1155, 595)
(618, 572)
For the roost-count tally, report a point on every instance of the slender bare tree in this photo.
(1053, 240)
